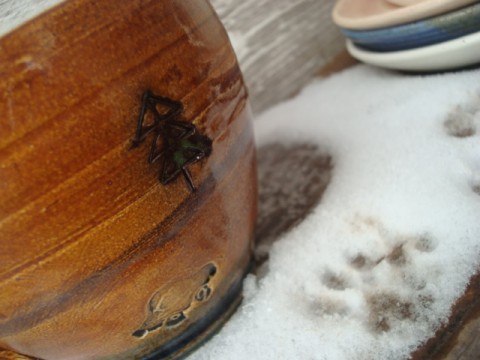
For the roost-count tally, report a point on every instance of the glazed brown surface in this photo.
(88, 234)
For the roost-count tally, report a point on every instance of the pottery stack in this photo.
(411, 35)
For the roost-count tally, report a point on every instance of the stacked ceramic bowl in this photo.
(411, 35)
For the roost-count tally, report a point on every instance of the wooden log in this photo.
(280, 44)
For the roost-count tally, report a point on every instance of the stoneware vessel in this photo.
(127, 179)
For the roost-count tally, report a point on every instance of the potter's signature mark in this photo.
(170, 305)
(176, 143)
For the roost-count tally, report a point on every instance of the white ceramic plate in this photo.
(451, 54)
(372, 14)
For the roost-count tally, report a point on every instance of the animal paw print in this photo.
(334, 281)
(464, 122)
(475, 181)
(476, 188)
(387, 308)
(425, 243)
(378, 287)
(331, 304)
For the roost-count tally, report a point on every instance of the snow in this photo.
(374, 268)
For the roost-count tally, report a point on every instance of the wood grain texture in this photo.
(98, 258)
(467, 342)
(14, 13)
(284, 201)
(280, 44)
(459, 337)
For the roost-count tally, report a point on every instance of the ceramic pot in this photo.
(127, 179)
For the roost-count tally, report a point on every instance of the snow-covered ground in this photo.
(375, 267)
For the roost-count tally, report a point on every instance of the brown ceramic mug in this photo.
(127, 179)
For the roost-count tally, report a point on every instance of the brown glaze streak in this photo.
(8, 355)
(51, 207)
(33, 264)
(97, 218)
(62, 38)
(157, 237)
(87, 233)
(9, 152)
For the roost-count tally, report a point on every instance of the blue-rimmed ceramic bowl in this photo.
(426, 32)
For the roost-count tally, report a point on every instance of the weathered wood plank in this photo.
(280, 44)
(459, 338)
(14, 13)
(468, 343)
